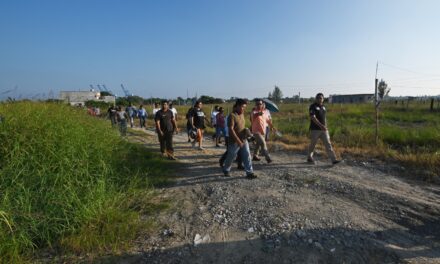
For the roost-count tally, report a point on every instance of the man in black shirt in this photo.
(318, 129)
(165, 127)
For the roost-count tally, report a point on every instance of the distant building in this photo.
(351, 98)
(80, 97)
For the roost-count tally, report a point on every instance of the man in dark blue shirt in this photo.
(318, 129)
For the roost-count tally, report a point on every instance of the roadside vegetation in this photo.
(70, 184)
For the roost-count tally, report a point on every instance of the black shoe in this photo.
(226, 174)
(269, 160)
(309, 160)
(217, 145)
(255, 158)
(336, 162)
(251, 176)
(189, 140)
(240, 167)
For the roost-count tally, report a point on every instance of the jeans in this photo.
(123, 127)
(142, 121)
(220, 131)
(223, 157)
(233, 149)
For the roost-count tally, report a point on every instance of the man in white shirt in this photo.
(155, 109)
(214, 121)
(173, 109)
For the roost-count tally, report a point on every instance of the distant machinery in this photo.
(126, 92)
(107, 90)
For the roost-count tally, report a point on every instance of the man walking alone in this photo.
(318, 129)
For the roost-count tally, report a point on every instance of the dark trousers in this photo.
(142, 120)
(166, 143)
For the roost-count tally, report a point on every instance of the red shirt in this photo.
(220, 120)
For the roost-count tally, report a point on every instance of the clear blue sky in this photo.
(219, 48)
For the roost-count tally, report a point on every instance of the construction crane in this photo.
(126, 92)
(99, 88)
(105, 89)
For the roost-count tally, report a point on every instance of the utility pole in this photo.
(376, 105)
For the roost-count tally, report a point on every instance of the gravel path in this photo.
(294, 212)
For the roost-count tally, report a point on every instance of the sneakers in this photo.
(310, 160)
(251, 176)
(269, 160)
(217, 145)
(172, 158)
(200, 148)
(255, 158)
(226, 174)
(336, 162)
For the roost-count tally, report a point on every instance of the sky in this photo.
(223, 48)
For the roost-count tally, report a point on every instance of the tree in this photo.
(277, 95)
(382, 90)
(105, 93)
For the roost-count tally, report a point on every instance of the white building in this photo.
(80, 97)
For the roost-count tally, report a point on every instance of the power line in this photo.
(406, 70)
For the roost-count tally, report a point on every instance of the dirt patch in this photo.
(293, 212)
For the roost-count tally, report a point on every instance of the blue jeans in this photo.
(233, 149)
(142, 120)
(220, 131)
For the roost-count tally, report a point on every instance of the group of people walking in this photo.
(231, 127)
(121, 117)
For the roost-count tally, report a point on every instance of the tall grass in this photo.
(64, 179)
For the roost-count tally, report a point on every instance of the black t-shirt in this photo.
(199, 118)
(318, 111)
(165, 118)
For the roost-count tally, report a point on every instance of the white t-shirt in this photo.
(213, 119)
(155, 111)
(174, 112)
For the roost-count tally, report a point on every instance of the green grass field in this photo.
(69, 182)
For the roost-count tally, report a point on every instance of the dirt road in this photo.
(294, 212)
